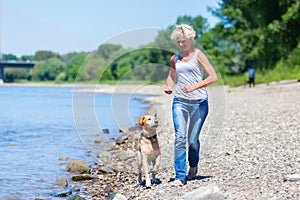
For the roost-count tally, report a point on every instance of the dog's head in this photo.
(148, 121)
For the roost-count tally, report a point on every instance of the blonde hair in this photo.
(182, 32)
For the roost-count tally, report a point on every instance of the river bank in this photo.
(249, 146)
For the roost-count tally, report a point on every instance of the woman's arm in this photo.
(210, 79)
(170, 81)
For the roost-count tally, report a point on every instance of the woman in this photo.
(190, 103)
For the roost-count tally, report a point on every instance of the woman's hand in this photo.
(188, 88)
(168, 90)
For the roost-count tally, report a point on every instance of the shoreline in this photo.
(151, 89)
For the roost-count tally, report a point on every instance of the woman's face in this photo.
(185, 44)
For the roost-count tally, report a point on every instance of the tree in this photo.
(73, 65)
(199, 24)
(261, 33)
(44, 55)
(106, 50)
(9, 57)
(51, 68)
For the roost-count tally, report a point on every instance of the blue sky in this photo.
(65, 26)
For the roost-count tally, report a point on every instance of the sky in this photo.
(65, 26)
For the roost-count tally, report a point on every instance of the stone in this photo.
(106, 170)
(77, 198)
(205, 193)
(123, 130)
(121, 140)
(106, 131)
(83, 177)
(62, 181)
(98, 141)
(77, 166)
(119, 197)
(292, 177)
(64, 158)
(65, 193)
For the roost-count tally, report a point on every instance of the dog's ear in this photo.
(140, 121)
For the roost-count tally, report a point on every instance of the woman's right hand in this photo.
(168, 90)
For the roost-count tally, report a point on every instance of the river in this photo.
(39, 125)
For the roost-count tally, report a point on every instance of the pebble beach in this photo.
(250, 147)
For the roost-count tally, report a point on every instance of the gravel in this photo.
(250, 148)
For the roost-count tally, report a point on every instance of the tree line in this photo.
(250, 33)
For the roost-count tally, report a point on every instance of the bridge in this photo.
(13, 64)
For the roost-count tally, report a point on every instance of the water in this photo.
(38, 126)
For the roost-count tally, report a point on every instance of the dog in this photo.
(149, 149)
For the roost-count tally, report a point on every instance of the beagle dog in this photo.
(149, 150)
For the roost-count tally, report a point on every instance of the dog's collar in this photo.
(152, 138)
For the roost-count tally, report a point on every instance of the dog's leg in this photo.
(146, 170)
(139, 166)
(156, 164)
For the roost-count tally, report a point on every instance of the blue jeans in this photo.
(187, 114)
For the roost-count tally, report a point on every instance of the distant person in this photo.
(251, 72)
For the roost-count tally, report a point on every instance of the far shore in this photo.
(151, 89)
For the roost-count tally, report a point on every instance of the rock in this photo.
(104, 154)
(292, 177)
(98, 141)
(121, 140)
(205, 193)
(106, 170)
(83, 177)
(64, 158)
(77, 166)
(76, 198)
(65, 193)
(119, 197)
(62, 181)
(106, 131)
(123, 130)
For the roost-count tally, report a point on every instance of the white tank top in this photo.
(189, 73)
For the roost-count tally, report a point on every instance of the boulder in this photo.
(121, 140)
(77, 166)
(105, 131)
(83, 177)
(65, 193)
(76, 197)
(119, 197)
(205, 193)
(292, 177)
(62, 181)
(106, 170)
(123, 130)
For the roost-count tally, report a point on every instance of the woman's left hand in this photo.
(189, 88)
